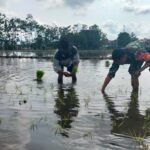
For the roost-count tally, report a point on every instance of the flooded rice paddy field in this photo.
(45, 116)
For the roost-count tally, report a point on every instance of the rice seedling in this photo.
(147, 117)
(87, 100)
(139, 137)
(18, 90)
(107, 63)
(39, 75)
(88, 134)
(33, 127)
(59, 129)
(52, 86)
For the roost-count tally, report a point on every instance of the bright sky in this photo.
(112, 16)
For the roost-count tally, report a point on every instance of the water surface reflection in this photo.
(66, 107)
(71, 117)
(131, 123)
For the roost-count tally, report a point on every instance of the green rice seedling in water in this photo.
(87, 100)
(18, 90)
(33, 127)
(147, 114)
(75, 69)
(35, 123)
(52, 86)
(88, 134)
(58, 129)
(147, 121)
(102, 115)
(39, 75)
(107, 63)
(137, 137)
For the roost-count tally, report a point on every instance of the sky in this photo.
(113, 16)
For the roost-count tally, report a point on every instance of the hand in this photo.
(66, 74)
(103, 90)
(106, 82)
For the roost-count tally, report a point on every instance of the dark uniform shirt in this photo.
(65, 58)
(134, 64)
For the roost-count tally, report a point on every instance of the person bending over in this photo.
(66, 56)
(135, 58)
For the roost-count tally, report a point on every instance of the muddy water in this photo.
(44, 116)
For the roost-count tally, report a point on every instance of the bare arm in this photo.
(106, 82)
(112, 71)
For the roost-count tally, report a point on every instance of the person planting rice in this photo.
(133, 56)
(66, 56)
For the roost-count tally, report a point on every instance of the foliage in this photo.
(39, 74)
(107, 63)
(17, 33)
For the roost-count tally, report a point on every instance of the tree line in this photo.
(16, 33)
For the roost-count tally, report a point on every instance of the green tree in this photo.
(84, 27)
(93, 38)
(39, 39)
(94, 27)
(2, 26)
(28, 33)
(31, 27)
(64, 30)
